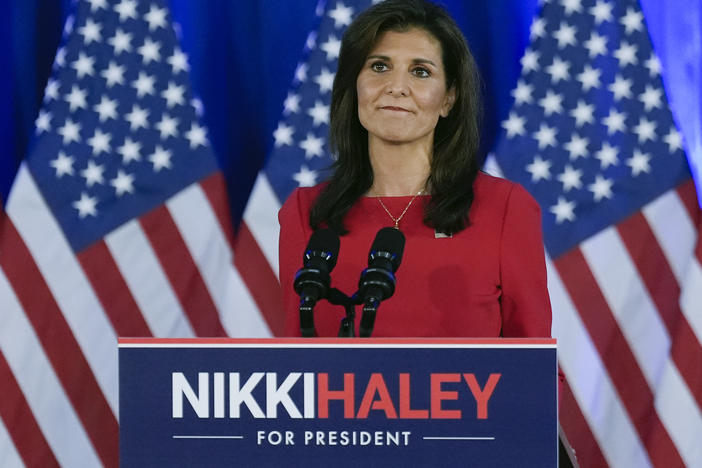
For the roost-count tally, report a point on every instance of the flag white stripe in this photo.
(690, 298)
(65, 277)
(680, 415)
(261, 216)
(41, 387)
(590, 383)
(677, 244)
(8, 453)
(208, 246)
(629, 302)
(147, 282)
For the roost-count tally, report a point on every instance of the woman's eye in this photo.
(378, 67)
(421, 72)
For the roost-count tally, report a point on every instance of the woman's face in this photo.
(402, 88)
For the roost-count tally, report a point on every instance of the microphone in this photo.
(312, 280)
(377, 282)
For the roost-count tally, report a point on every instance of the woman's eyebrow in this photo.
(386, 58)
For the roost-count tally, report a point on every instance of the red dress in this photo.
(488, 280)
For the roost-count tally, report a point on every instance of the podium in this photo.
(338, 402)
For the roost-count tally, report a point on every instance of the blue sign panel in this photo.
(350, 402)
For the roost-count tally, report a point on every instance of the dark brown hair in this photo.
(454, 163)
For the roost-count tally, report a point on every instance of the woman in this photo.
(404, 124)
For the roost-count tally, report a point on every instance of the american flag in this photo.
(591, 136)
(117, 224)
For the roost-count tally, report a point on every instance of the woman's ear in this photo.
(449, 99)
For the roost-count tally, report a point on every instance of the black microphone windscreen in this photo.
(324, 240)
(389, 241)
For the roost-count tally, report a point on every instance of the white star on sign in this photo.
(341, 14)
(123, 183)
(97, 4)
(564, 210)
(319, 113)
(572, 6)
(93, 174)
(514, 125)
(70, 131)
(137, 118)
(601, 188)
(539, 169)
(160, 158)
(100, 142)
(113, 74)
(546, 136)
(283, 135)
(156, 17)
(150, 51)
(86, 205)
(63, 164)
(305, 177)
(196, 135)
(76, 99)
(301, 72)
(52, 90)
(653, 65)
(91, 31)
(130, 151)
(107, 108)
(607, 156)
(121, 41)
(570, 178)
(639, 163)
(83, 65)
(537, 28)
(312, 146)
(325, 80)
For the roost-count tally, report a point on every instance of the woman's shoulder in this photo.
(305, 196)
(489, 189)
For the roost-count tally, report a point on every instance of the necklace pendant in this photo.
(397, 224)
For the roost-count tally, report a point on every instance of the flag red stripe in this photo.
(688, 195)
(259, 279)
(250, 261)
(617, 357)
(112, 291)
(578, 431)
(656, 274)
(183, 274)
(60, 345)
(19, 420)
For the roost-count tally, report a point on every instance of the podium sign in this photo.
(338, 402)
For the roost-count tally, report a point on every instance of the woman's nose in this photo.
(397, 84)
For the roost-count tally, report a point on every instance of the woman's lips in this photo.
(394, 108)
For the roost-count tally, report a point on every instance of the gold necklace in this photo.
(394, 219)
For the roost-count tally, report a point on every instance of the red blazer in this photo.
(488, 280)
